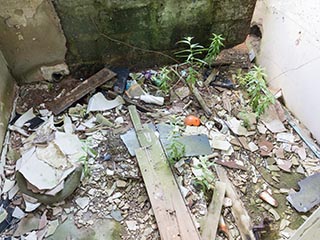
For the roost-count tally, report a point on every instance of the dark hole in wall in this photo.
(255, 31)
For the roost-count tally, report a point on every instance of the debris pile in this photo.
(148, 157)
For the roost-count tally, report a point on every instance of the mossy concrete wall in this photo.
(92, 27)
(6, 97)
(34, 33)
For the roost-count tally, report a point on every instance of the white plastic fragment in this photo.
(152, 99)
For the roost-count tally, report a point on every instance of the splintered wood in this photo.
(173, 217)
(66, 99)
(240, 214)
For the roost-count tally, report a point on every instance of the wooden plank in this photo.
(65, 100)
(172, 215)
(238, 210)
(310, 229)
(214, 211)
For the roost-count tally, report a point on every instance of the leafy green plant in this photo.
(192, 76)
(163, 79)
(254, 83)
(214, 48)
(176, 150)
(192, 51)
(207, 178)
(84, 159)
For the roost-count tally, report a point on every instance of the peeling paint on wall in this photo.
(30, 37)
(17, 12)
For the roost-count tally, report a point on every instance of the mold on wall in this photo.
(30, 37)
(6, 97)
(290, 52)
(93, 27)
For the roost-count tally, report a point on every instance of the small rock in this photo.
(119, 120)
(116, 215)
(132, 225)
(121, 183)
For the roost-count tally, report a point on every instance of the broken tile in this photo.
(82, 202)
(98, 102)
(285, 165)
(262, 129)
(132, 225)
(236, 127)
(18, 213)
(52, 227)
(221, 145)
(285, 137)
(24, 118)
(116, 215)
(271, 120)
(253, 147)
(8, 185)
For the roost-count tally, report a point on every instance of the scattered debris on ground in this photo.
(152, 154)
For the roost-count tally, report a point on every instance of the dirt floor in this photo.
(112, 193)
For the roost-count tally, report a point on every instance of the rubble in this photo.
(83, 163)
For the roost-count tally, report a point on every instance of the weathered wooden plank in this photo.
(211, 221)
(172, 215)
(238, 210)
(65, 100)
(310, 229)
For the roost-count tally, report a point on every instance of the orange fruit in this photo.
(192, 121)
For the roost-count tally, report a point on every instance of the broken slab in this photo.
(309, 194)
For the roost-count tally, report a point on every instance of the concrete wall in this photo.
(31, 33)
(148, 24)
(6, 97)
(290, 51)
(30, 37)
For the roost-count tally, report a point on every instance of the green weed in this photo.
(255, 85)
(206, 180)
(90, 152)
(192, 51)
(214, 48)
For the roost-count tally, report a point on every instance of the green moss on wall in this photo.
(154, 25)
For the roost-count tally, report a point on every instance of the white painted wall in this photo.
(290, 52)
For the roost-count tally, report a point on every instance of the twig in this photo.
(129, 45)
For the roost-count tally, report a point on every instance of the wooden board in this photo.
(310, 229)
(211, 221)
(238, 210)
(65, 100)
(172, 215)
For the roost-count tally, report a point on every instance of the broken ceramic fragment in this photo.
(98, 102)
